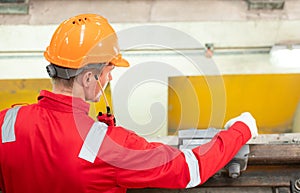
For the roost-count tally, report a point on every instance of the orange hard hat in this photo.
(84, 39)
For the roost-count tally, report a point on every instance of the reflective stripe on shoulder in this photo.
(8, 126)
(193, 165)
(93, 141)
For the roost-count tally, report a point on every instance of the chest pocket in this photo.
(8, 126)
(93, 141)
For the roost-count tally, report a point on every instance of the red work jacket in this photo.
(54, 146)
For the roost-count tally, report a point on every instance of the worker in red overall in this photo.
(54, 146)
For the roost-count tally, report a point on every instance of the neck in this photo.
(59, 89)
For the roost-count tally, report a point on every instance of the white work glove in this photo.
(246, 118)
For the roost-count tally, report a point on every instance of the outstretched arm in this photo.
(142, 164)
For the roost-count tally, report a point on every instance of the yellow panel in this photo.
(210, 101)
(27, 91)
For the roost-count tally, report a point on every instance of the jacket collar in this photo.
(62, 103)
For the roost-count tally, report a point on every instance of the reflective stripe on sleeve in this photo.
(93, 141)
(192, 162)
(8, 126)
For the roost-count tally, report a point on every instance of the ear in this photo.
(86, 78)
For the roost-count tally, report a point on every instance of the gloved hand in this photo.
(246, 118)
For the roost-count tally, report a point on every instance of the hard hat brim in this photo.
(120, 61)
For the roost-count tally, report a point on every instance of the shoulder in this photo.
(17, 106)
(15, 110)
(119, 134)
(129, 139)
(2, 114)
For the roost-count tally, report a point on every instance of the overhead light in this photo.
(265, 4)
(14, 6)
(12, 1)
(287, 56)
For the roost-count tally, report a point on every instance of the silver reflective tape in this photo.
(93, 141)
(8, 126)
(192, 162)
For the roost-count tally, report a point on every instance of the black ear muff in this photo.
(51, 71)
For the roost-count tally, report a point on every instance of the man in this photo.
(54, 146)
